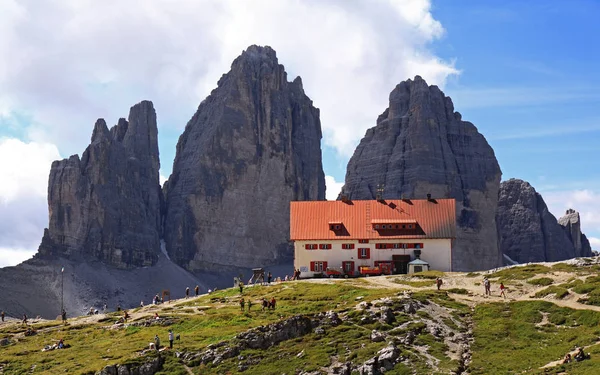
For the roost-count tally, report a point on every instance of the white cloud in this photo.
(24, 170)
(333, 188)
(586, 201)
(162, 179)
(75, 60)
(595, 242)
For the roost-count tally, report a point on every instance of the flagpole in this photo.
(62, 279)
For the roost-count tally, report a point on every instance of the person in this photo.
(24, 318)
(156, 342)
(502, 290)
(285, 278)
(242, 304)
(269, 278)
(438, 282)
(105, 307)
(249, 304)
(272, 304)
(567, 359)
(265, 304)
(142, 303)
(119, 307)
(197, 290)
(171, 338)
(125, 315)
(64, 316)
(486, 284)
(61, 344)
(580, 356)
(156, 316)
(241, 285)
(187, 292)
(2, 315)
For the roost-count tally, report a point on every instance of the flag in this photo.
(62, 270)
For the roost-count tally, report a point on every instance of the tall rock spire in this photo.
(106, 205)
(252, 147)
(421, 146)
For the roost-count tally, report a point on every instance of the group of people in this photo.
(264, 303)
(488, 288)
(579, 356)
(196, 290)
(156, 344)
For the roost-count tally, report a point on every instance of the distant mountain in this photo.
(421, 146)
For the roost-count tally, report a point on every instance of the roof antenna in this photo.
(379, 194)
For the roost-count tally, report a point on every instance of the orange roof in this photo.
(309, 220)
(393, 221)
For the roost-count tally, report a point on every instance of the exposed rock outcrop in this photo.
(252, 147)
(420, 146)
(571, 223)
(106, 205)
(528, 232)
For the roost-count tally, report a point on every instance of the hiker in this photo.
(156, 342)
(187, 292)
(125, 315)
(567, 359)
(242, 304)
(119, 307)
(24, 318)
(64, 316)
(269, 278)
(241, 285)
(272, 303)
(197, 290)
(61, 344)
(249, 304)
(438, 282)
(2, 315)
(156, 316)
(486, 284)
(502, 290)
(105, 307)
(265, 304)
(580, 356)
(142, 303)
(171, 338)
(285, 278)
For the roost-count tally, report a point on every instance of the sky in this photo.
(525, 73)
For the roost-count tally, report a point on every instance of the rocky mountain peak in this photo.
(571, 223)
(106, 205)
(527, 231)
(421, 146)
(252, 146)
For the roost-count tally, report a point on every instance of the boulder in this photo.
(388, 356)
(421, 146)
(527, 231)
(252, 146)
(106, 205)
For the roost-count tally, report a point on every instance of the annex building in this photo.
(403, 235)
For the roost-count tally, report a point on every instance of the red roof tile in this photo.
(309, 220)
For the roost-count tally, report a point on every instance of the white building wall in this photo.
(437, 252)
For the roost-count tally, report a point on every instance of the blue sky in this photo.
(525, 73)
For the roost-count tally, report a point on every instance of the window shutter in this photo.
(324, 266)
(312, 266)
(368, 254)
(358, 253)
(352, 246)
(307, 246)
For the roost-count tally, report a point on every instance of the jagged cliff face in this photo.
(252, 147)
(528, 232)
(106, 205)
(420, 146)
(571, 224)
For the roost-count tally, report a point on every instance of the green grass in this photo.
(558, 291)
(519, 272)
(508, 331)
(428, 275)
(414, 284)
(541, 281)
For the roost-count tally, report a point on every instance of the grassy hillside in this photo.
(550, 310)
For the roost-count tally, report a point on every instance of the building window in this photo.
(318, 266)
(311, 246)
(418, 269)
(347, 246)
(325, 246)
(410, 226)
(376, 226)
(397, 226)
(348, 267)
(403, 226)
(364, 253)
(397, 246)
(363, 241)
(417, 246)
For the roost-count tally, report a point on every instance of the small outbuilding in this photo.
(417, 265)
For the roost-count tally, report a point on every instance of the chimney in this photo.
(379, 195)
(428, 196)
(417, 254)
